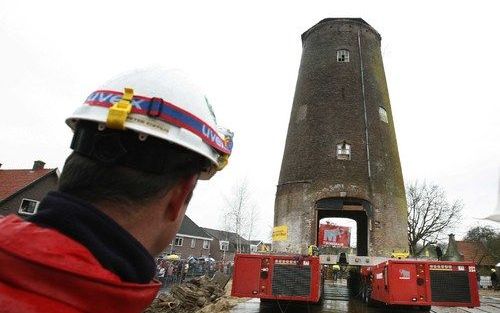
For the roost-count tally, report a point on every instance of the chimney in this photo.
(38, 165)
(452, 253)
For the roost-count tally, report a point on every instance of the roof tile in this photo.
(476, 252)
(11, 181)
(225, 235)
(188, 227)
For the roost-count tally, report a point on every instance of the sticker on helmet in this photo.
(156, 108)
(143, 120)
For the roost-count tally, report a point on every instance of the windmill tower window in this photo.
(383, 114)
(342, 55)
(343, 151)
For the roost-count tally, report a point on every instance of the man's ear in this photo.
(180, 195)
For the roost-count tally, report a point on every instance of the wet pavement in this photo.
(337, 301)
(351, 306)
(254, 306)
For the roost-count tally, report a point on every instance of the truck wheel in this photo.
(424, 308)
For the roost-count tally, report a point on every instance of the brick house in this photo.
(21, 190)
(191, 240)
(477, 252)
(254, 245)
(226, 244)
(258, 246)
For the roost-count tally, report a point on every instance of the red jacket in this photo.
(41, 270)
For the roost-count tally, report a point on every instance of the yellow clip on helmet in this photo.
(160, 103)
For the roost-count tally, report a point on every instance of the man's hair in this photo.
(93, 180)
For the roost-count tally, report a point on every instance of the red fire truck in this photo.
(391, 282)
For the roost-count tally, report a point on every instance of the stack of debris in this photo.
(190, 297)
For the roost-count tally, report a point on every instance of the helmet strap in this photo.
(114, 147)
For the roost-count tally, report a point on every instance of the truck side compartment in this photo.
(279, 277)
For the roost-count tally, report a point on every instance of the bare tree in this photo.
(241, 213)
(430, 215)
(481, 233)
(488, 236)
(253, 217)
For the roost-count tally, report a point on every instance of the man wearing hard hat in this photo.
(140, 144)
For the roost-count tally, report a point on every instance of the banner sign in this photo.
(334, 235)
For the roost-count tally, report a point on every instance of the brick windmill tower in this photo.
(341, 157)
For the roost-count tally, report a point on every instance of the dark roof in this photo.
(255, 242)
(14, 181)
(188, 227)
(233, 239)
(226, 235)
(344, 20)
(475, 251)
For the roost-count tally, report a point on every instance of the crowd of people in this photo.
(171, 272)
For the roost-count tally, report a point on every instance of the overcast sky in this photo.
(441, 61)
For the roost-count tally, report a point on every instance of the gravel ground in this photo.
(489, 293)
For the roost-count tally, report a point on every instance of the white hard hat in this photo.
(160, 103)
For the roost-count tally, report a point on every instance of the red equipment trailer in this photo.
(421, 283)
(393, 282)
(279, 277)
